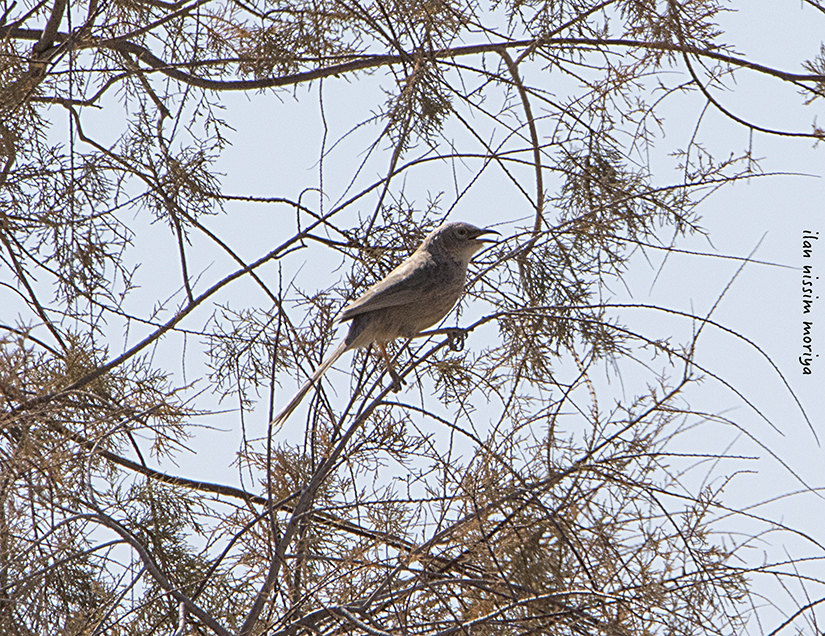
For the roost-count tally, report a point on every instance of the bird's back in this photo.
(413, 297)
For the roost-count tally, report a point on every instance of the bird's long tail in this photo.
(311, 382)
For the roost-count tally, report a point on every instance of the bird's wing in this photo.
(402, 286)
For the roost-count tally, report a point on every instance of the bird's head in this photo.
(460, 240)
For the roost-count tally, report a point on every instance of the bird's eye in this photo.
(461, 232)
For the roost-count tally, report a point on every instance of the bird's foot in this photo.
(456, 338)
(397, 382)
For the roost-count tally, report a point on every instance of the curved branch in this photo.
(375, 61)
(534, 136)
(712, 100)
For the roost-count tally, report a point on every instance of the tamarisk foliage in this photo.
(542, 479)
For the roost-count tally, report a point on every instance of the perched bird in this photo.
(412, 297)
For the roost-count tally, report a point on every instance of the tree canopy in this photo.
(532, 476)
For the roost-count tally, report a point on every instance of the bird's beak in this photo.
(485, 240)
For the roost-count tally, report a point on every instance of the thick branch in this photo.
(374, 61)
(50, 34)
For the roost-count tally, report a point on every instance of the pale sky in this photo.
(275, 153)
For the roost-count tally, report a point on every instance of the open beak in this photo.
(486, 240)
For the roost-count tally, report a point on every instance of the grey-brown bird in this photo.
(412, 297)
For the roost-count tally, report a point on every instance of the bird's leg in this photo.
(396, 380)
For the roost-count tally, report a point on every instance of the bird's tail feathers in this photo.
(281, 418)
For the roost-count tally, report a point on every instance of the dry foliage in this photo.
(507, 490)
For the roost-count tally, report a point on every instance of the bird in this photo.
(412, 297)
